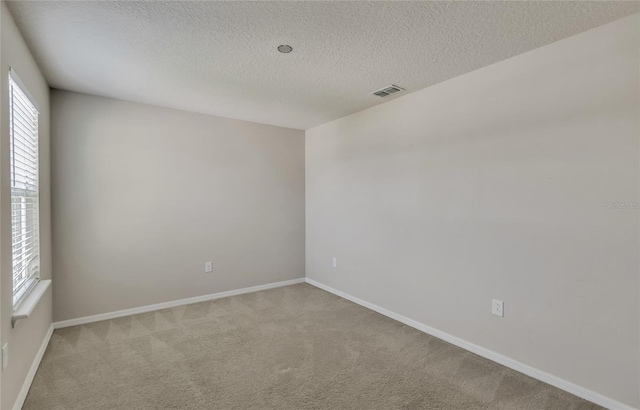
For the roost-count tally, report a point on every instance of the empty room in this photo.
(297, 205)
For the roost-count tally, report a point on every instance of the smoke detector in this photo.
(387, 91)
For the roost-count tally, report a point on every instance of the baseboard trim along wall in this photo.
(24, 390)
(486, 353)
(173, 303)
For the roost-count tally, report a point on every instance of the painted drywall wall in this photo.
(25, 339)
(144, 196)
(518, 182)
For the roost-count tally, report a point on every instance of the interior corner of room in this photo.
(320, 205)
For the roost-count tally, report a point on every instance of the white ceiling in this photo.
(220, 58)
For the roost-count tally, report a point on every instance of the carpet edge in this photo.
(179, 302)
(31, 374)
(530, 371)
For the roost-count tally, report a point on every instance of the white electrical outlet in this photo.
(335, 262)
(208, 267)
(5, 356)
(497, 307)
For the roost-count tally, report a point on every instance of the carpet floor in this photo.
(295, 347)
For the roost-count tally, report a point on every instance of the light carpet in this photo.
(295, 347)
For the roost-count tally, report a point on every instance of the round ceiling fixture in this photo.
(285, 48)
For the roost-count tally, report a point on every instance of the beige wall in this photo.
(144, 196)
(495, 185)
(25, 339)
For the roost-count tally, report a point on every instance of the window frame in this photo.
(28, 285)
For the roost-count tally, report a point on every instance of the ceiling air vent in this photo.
(386, 91)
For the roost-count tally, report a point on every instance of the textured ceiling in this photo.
(220, 58)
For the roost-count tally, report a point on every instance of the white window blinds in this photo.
(23, 124)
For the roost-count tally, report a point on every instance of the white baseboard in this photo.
(22, 395)
(173, 303)
(486, 353)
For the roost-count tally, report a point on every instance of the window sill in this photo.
(30, 302)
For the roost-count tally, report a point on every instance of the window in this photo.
(25, 241)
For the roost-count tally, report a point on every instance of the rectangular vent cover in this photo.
(386, 91)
